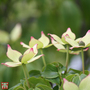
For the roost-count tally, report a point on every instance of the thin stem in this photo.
(82, 55)
(67, 57)
(43, 57)
(24, 69)
(59, 77)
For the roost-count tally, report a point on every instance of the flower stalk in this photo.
(67, 57)
(25, 73)
(82, 55)
(43, 57)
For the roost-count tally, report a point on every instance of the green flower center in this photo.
(20, 58)
(81, 43)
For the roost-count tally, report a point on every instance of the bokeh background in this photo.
(49, 16)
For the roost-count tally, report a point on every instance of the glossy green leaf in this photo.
(43, 87)
(17, 87)
(70, 77)
(33, 81)
(85, 72)
(30, 89)
(74, 70)
(50, 71)
(35, 73)
(34, 89)
(61, 87)
(37, 88)
(76, 80)
(54, 80)
(82, 76)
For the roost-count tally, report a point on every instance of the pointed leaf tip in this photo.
(36, 45)
(88, 31)
(21, 43)
(64, 80)
(42, 55)
(66, 35)
(51, 39)
(8, 46)
(69, 29)
(5, 64)
(58, 49)
(32, 37)
(71, 48)
(42, 32)
(31, 49)
(48, 34)
(2, 63)
(86, 49)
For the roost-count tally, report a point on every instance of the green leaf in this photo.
(37, 88)
(74, 70)
(85, 72)
(50, 71)
(34, 89)
(70, 77)
(43, 87)
(82, 76)
(17, 87)
(23, 83)
(61, 87)
(85, 83)
(54, 80)
(33, 81)
(76, 80)
(35, 73)
(30, 89)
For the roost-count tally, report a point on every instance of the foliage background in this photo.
(50, 16)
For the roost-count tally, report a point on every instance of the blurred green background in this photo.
(49, 16)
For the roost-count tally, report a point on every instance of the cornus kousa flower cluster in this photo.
(43, 42)
(68, 38)
(19, 59)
